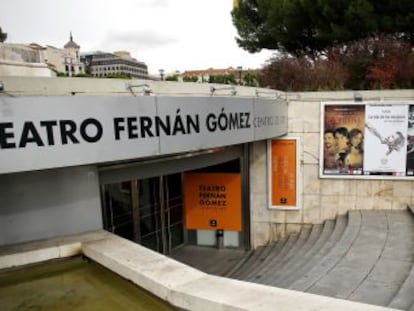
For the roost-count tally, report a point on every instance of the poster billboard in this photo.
(370, 139)
(385, 139)
(343, 139)
(284, 173)
(410, 141)
(213, 201)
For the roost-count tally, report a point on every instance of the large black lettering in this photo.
(118, 127)
(49, 131)
(145, 125)
(30, 135)
(98, 130)
(193, 123)
(132, 127)
(211, 122)
(164, 125)
(6, 136)
(67, 132)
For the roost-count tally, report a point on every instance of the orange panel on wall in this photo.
(284, 173)
(213, 201)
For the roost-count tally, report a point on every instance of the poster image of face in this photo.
(385, 139)
(410, 141)
(343, 139)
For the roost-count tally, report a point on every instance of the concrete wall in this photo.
(321, 199)
(11, 68)
(49, 203)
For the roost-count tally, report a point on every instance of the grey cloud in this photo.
(144, 39)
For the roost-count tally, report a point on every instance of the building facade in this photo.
(36, 60)
(164, 170)
(101, 64)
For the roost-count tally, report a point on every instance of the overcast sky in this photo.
(168, 34)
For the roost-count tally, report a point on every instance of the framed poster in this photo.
(367, 140)
(283, 173)
(386, 128)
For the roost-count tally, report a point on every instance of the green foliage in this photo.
(3, 35)
(84, 75)
(372, 63)
(309, 27)
(118, 76)
(172, 78)
(252, 79)
(223, 79)
(190, 78)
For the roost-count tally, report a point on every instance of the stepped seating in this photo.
(365, 256)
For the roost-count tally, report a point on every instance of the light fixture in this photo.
(213, 89)
(276, 94)
(1, 86)
(145, 88)
(357, 96)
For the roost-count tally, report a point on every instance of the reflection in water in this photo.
(75, 285)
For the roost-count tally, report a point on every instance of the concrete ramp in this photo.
(366, 256)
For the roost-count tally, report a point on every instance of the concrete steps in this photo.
(365, 256)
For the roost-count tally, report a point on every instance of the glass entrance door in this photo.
(161, 213)
(147, 211)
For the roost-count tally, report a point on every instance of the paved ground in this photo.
(365, 256)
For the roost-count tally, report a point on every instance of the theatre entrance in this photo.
(148, 211)
(145, 202)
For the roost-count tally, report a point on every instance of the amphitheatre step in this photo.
(255, 257)
(273, 257)
(365, 256)
(404, 298)
(284, 259)
(313, 255)
(327, 262)
(256, 262)
(289, 265)
(353, 268)
(394, 263)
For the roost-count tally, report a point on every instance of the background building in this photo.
(35, 60)
(23, 60)
(102, 64)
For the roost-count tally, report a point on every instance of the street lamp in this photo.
(240, 70)
(161, 74)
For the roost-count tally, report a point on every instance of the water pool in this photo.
(73, 284)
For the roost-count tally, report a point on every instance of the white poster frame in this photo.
(384, 176)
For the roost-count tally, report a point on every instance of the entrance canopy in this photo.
(49, 132)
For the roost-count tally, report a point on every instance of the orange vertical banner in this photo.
(213, 201)
(284, 173)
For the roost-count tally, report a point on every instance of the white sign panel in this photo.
(269, 116)
(212, 122)
(386, 139)
(48, 132)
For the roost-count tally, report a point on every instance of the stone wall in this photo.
(321, 199)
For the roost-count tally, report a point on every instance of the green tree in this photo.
(190, 78)
(3, 35)
(172, 78)
(251, 79)
(309, 27)
(223, 79)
